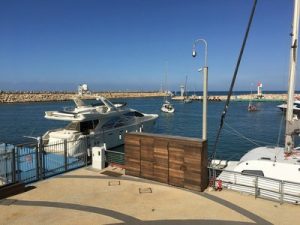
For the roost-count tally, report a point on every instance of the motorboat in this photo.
(296, 107)
(167, 107)
(104, 122)
(272, 172)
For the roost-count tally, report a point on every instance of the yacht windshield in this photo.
(84, 126)
(134, 114)
(73, 126)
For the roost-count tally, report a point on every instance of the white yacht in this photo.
(296, 107)
(104, 121)
(167, 107)
(276, 170)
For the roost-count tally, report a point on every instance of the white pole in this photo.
(289, 143)
(205, 84)
(204, 112)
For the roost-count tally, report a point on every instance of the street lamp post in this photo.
(205, 82)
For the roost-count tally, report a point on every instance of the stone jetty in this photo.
(247, 97)
(22, 97)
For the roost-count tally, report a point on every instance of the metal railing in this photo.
(259, 186)
(7, 164)
(114, 157)
(31, 162)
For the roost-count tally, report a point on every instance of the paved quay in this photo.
(87, 196)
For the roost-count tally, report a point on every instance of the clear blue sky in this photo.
(125, 44)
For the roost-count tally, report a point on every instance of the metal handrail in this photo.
(260, 186)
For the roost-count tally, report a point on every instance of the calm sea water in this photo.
(242, 128)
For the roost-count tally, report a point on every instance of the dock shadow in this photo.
(127, 219)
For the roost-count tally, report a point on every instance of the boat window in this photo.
(86, 126)
(134, 113)
(73, 126)
(253, 172)
(110, 123)
(265, 158)
(297, 105)
(95, 123)
(121, 122)
(97, 104)
(138, 114)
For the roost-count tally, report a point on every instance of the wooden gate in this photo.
(178, 161)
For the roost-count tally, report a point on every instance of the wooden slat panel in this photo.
(147, 149)
(147, 169)
(161, 174)
(175, 160)
(161, 163)
(192, 181)
(132, 166)
(192, 164)
(176, 177)
(132, 140)
(133, 152)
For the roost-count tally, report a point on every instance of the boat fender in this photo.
(218, 185)
(211, 182)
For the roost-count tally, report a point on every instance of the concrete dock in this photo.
(87, 196)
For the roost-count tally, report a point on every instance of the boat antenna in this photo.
(233, 81)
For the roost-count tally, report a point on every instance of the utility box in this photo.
(98, 157)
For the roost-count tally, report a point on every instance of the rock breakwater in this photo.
(22, 97)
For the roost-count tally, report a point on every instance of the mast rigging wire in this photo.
(233, 81)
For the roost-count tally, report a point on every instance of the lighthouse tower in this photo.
(181, 90)
(259, 90)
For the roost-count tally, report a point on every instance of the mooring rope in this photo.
(251, 140)
(233, 81)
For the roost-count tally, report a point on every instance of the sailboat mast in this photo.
(185, 86)
(289, 142)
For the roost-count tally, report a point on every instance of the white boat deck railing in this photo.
(259, 186)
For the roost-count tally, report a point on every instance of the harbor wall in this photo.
(22, 97)
(243, 97)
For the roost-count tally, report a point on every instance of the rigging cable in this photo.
(280, 129)
(233, 81)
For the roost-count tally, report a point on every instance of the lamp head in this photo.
(194, 53)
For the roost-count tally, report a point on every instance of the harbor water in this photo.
(242, 131)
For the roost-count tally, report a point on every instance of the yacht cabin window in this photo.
(253, 172)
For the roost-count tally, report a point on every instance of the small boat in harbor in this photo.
(167, 107)
(252, 108)
(186, 98)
